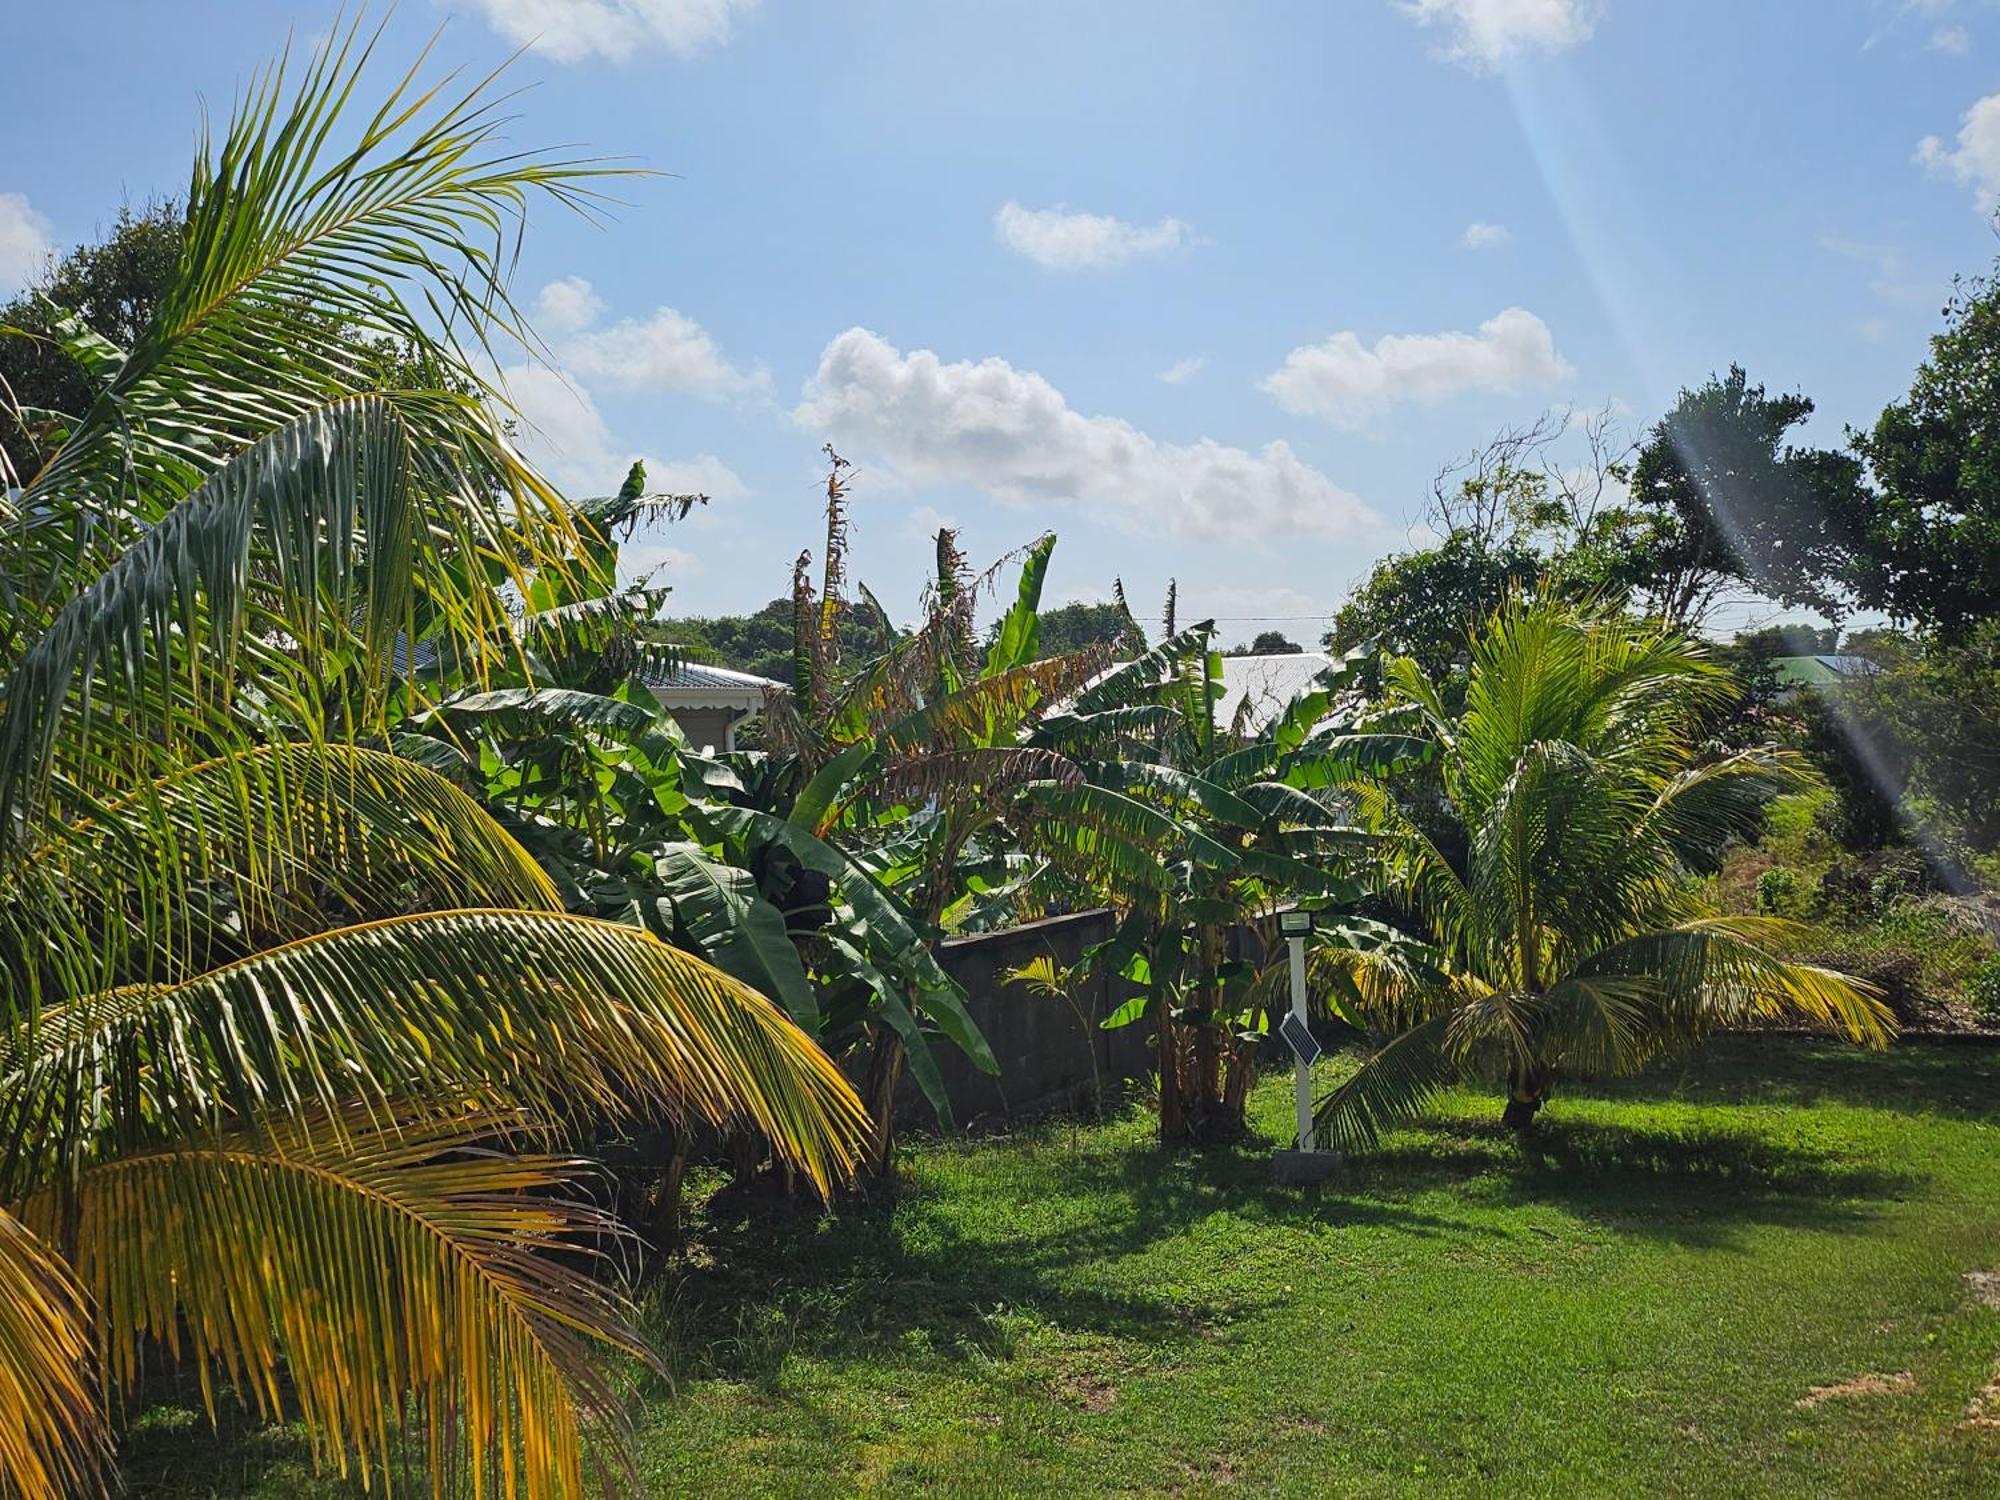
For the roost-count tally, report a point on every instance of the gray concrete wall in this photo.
(1044, 1053)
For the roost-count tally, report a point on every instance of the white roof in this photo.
(1267, 682)
(699, 685)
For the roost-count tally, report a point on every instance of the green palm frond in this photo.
(301, 261)
(344, 1273)
(560, 1014)
(52, 1430)
(158, 636)
(269, 844)
(1388, 1089)
(1718, 971)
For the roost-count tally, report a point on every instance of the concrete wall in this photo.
(1044, 1052)
(706, 728)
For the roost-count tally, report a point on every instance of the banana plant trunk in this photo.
(878, 1093)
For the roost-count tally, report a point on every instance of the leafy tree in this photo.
(1267, 643)
(1422, 604)
(1929, 546)
(1071, 628)
(1557, 938)
(113, 289)
(271, 993)
(1718, 498)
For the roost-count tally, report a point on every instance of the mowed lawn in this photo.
(1639, 1308)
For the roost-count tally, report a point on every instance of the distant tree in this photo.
(761, 643)
(1424, 604)
(1718, 498)
(1078, 627)
(114, 288)
(1267, 643)
(1928, 550)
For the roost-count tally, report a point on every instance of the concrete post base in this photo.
(1305, 1168)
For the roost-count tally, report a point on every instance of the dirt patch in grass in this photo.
(1985, 1288)
(1861, 1385)
(1983, 1413)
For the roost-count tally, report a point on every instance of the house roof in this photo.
(1267, 683)
(699, 685)
(1819, 671)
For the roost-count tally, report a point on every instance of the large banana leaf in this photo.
(736, 928)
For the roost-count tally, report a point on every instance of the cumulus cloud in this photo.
(572, 30)
(1344, 380)
(1058, 240)
(1479, 235)
(1486, 33)
(1975, 160)
(565, 306)
(565, 435)
(1012, 434)
(1181, 371)
(667, 352)
(24, 241)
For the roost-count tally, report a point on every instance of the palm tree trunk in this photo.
(1527, 1092)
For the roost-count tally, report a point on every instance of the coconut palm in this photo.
(1539, 860)
(292, 1033)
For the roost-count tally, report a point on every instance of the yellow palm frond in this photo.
(52, 1438)
(563, 1015)
(353, 1275)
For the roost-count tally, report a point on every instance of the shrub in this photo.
(1982, 991)
(1777, 891)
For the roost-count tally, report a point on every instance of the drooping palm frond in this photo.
(555, 1013)
(319, 512)
(1391, 1087)
(341, 1274)
(1718, 971)
(52, 1429)
(280, 841)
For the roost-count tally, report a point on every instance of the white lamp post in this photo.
(1305, 1162)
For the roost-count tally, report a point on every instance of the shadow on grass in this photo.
(943, 1275)
(1953, 1081)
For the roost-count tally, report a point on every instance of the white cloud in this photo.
(1954, 41)
(1344, 380)
(572, 30)
(1010, 433)
(1486, 33)
(566, 306)
(565, 436)
(1058, 240)
(1976, 159)
(1479, 235)
(926, 521)
(1181, 371)
(24, 241)
(1893, 280)
(666, 352)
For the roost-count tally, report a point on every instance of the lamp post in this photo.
(1305, 1162)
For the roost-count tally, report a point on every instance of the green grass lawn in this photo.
(1636, 1309)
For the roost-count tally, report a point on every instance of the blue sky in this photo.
(1211, 289)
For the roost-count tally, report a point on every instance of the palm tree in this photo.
(292, 1033)
(1538, 860)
